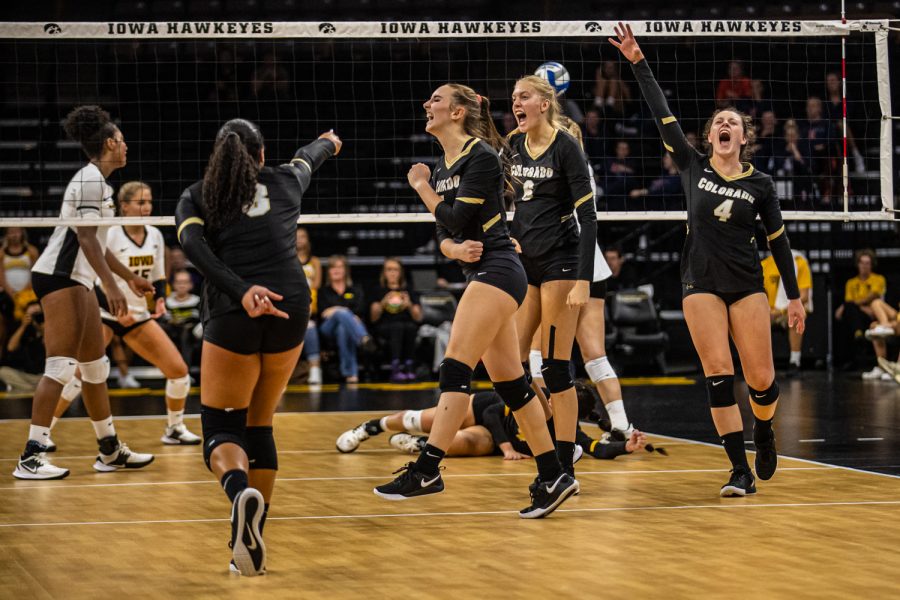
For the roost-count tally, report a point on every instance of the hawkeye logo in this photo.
(52, 28)
(593, 27)
(327, 28)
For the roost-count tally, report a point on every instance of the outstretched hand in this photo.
(626, 43)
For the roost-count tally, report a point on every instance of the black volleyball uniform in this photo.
(472, 209)
(720, 252)
(493, 414)
(549, 187)
(257, 249)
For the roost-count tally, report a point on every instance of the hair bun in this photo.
(84, 123)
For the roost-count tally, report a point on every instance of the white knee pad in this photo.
(535, 361)
(599, 369)
(60, 369)
(412, 421)
(71, 390)
(178, 388)
(96, 371)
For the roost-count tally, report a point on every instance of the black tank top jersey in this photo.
(260, 247)
(549, 187)
(472, 209)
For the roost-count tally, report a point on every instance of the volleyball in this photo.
(556, 75)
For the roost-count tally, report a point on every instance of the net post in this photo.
(885, 155)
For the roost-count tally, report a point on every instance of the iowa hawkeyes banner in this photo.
(423, 29)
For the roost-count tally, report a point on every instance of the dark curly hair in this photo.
(229, 183)
(749, 132)
(90, 126)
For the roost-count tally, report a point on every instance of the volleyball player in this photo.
(465, 195)
(63, 278)
(553, 191)
(238, 227)
(720, 270)
(141, 248)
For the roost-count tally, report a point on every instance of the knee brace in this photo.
(599, 369)
(557, 375)
(454, 376)
(515, 394)
(60, 369)
(71, 390)
(178, 388)
(222, 427)
(260, 445)
(767, 397)
(412, 421)
(535, 362)
(720, 391)
(96, 371)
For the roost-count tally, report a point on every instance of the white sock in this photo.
(176, 417)
(795, 358)
(39, 434)
(617, 417)
(384, 425)
(104, 428)
(53, 422)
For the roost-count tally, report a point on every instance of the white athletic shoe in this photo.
(879, 332)
(579, 453)
(128, 382)
(874, 374)
(315, 376)
(890, 367)
(34, 465)
(410, 444)
(121, 458)
(350, 440)
(178, 435)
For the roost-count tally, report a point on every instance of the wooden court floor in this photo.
(645, 526)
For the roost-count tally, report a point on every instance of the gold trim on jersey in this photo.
(185, 223)
(467, 147)
(471, 200)
(669, 119)
(550, 143)
(746, 173)
(300, 160)
(584, 199)
(668, 147)
(490, 223)
(776, 234)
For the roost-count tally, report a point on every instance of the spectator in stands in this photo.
(17, 256)
(24, 364)
(735, 89)
(856, 312)
(666, 186)
(623, 276)
(396, 318)
(620, 175)
(778, 302)
(177, 261)
(883, 327)
(760, 102)
(766, 140)
(182, 318)
(341, 305)
(312, 267)
(611, 93)
(819, 134)
(270, 79)
(834, 112)
(594, 140)
(789, 165)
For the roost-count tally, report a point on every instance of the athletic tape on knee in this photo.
(557, 375)
(71, 390)
(454, 376)
(60, 369)
(599, 369)
(222, 427)
(96, 371)
(260, 445)
(178, 388)
(412, 421)
(720, 391)
(536, 362)
(516, 393)
(767, 397)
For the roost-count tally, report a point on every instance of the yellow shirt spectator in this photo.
(858, 290)
(771, 277)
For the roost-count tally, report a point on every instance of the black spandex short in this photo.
(238, 333)
(122, 330)
(502, 270)
(44, 284)
(560, 264)
(728, 298)
(480, 402)
(598, 290)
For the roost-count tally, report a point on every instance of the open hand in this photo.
(627, 44)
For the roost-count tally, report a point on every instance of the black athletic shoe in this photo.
(410, 483)
(792, 371)
(740, 484)
(547, 496)
(766, 456)
(247, 546)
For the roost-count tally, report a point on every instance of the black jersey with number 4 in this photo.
(549, 186)
(471, 186)
(260, 247)
(720, 250)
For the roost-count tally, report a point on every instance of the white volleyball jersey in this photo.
(87, 197)
(147, 260)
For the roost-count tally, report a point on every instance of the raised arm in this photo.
(672, 135)
(311, 156)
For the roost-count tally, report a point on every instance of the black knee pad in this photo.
(261, 450)
(516, 393)
(221, 427)
(527, 367)
(767, 397)
(454, 376)
(557, 375)
(720, 391)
